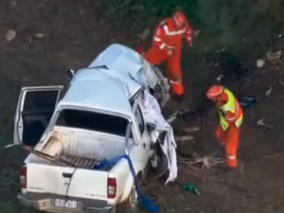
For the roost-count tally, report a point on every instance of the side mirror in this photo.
(150, 127)
(71, 73)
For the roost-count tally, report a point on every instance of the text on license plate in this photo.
(72, 204)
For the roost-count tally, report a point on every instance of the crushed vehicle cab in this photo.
(129, 62)
(97, 117)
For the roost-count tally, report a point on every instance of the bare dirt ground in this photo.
(71, 35)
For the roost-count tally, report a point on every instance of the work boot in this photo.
(233, 172)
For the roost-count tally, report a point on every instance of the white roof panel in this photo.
(96, 89)
(120, 58)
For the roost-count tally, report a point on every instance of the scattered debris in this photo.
(207, 162)
(269, 91)
(219, 77)
(260, 63)
(183, 113)
(247, 101)
(196, 32)
(275, 156)
(172, 117)
(10, 35)
(184, 138)
(221, 50)
(273, 55)
(191, 129)
(262, 123)
(191, 187)
(144, 34)
(39, 35)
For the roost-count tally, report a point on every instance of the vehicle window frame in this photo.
(140, 121)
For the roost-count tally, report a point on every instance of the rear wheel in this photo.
(131, 205)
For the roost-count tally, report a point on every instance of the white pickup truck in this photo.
(99, 117)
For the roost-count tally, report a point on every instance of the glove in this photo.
(189, 41)
(169, 51)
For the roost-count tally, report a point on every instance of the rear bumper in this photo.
(48, 205)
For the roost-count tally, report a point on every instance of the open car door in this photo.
(34, 110)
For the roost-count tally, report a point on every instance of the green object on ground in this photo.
(191, 187)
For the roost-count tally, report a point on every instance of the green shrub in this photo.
(141, 13)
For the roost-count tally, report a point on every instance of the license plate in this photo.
(71, 204)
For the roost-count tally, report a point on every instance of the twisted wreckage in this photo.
(109, 109)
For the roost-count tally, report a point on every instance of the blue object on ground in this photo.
(247, 102)
(145, 202)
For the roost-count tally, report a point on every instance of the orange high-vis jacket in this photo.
(166, 36)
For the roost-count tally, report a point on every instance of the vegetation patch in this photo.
(240, 25)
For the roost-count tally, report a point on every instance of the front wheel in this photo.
(159, 163)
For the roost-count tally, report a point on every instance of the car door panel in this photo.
(34, 110)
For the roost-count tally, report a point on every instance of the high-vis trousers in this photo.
(231, 139)
(156, 56)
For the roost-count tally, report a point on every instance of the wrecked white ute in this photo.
(99, 117)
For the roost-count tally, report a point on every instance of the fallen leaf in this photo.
(219, 78)
(196, 32)
(260, 63)
(184, 138)
(273, 55)
(10, 35)
(39, 35)
(268, 92)
(191, 129)
(144, 34)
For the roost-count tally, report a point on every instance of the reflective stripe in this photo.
(231, 157)
(174, 32)
(239, 121)
(175, 82)
(157, 39)
(162, 46)
(233, 106)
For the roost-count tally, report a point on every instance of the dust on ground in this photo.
(53, 36)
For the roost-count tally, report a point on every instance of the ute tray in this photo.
(80, 162)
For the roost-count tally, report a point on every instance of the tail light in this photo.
(111, 188)
(23, 177)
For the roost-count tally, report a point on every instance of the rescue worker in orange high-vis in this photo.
(167, 47)
(231, 119)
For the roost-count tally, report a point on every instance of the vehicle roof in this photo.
(121, 58)
(101, 89)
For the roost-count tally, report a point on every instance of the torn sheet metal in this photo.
(152, 114)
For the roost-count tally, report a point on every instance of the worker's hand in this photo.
(170, 51)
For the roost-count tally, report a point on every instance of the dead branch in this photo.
(207, 162)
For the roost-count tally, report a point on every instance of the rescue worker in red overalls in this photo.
(167, 45)
(231, 119)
